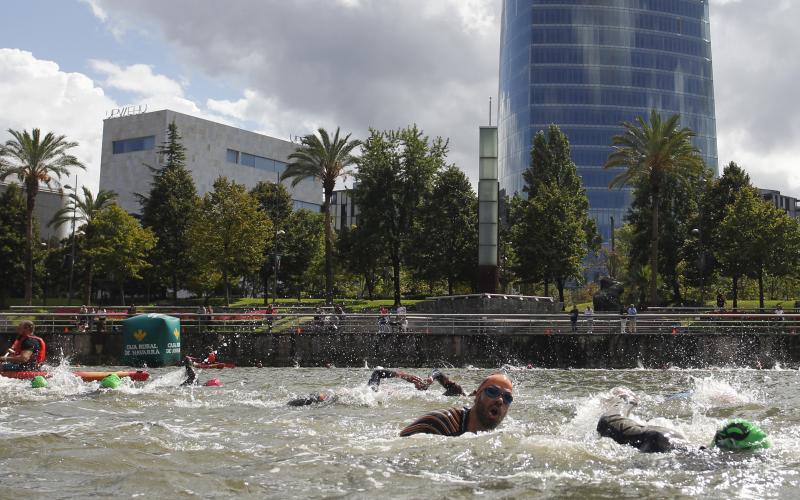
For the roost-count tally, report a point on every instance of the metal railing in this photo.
(308, 321)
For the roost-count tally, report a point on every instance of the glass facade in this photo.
(587, 66)
(259, 162)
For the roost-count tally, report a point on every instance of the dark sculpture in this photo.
(608, 297)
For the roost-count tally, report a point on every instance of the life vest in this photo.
(16, 347)
(212, 357)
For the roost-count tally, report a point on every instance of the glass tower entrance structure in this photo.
(587, 66)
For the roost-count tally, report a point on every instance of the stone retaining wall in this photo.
(428, 350)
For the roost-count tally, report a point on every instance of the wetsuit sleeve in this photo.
(624, 430)
(443, 422)
(377, 375)
(308, 400)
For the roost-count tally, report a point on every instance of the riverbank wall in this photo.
(559, 350)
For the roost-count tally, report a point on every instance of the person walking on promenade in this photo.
(573, 318)
(589, 316)
(632, 318)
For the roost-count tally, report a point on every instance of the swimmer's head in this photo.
(740, 434)
(111, 381)
(38, 382)
(213, 382)
(492, 400)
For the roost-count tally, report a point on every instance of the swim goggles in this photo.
(493, 392)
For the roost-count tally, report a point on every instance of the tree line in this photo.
(686, 235)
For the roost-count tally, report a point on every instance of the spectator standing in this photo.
(589, 316)
(132, 310)
(573, 318)
(632, 318)
(622, 320)
(102, 315)
(720, 301)
(401, 318)
(779, 312)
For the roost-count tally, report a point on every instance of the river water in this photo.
(153, 439)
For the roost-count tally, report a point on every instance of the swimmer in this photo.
(492, 401)
(191, 375)
(312, 399)
(451, 388)
(617, 425)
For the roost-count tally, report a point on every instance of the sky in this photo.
(285, 68)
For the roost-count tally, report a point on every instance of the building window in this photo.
(232, 156)
(298, 205)
(135, 144)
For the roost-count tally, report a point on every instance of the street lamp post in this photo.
(72, 256)
(276, 264)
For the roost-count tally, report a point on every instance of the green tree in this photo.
(302, 247)
(679, 205)
(84, 209)
(649, 152)
(230, 235)
(13, 220)
(326, 160)
(756, 238)
(444, 244)
(395, 175)
(35, 160)
(702, 250)
(360, 255)
(554, 231)
(168, 210)
(118, 246)
(273, 200)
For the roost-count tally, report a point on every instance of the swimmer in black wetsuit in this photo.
(190, 373)
(451, 388)
(616, 424)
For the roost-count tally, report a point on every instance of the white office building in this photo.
(131, 144)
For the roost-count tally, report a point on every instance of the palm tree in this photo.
(326, 160)
(651, 152)
(83, 212)
(34, 159)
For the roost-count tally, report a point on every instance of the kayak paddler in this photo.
(27, 352)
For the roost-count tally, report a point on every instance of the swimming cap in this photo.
(110, 382)
(38, 382)
(740, 434)
(213, 382)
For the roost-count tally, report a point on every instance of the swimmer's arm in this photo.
(420, 384)
(22, 357)
(451, 388)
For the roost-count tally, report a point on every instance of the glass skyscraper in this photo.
(587, 66)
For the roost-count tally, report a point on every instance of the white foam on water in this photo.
(713, 392)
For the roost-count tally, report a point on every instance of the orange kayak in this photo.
(137, 375)
(214, 365)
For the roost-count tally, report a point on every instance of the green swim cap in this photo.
(740, 434)
(38, 382)
(111, 381)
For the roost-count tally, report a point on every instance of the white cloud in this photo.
(755, 81)
(136, 78)
(351, 63)
(37, 94)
